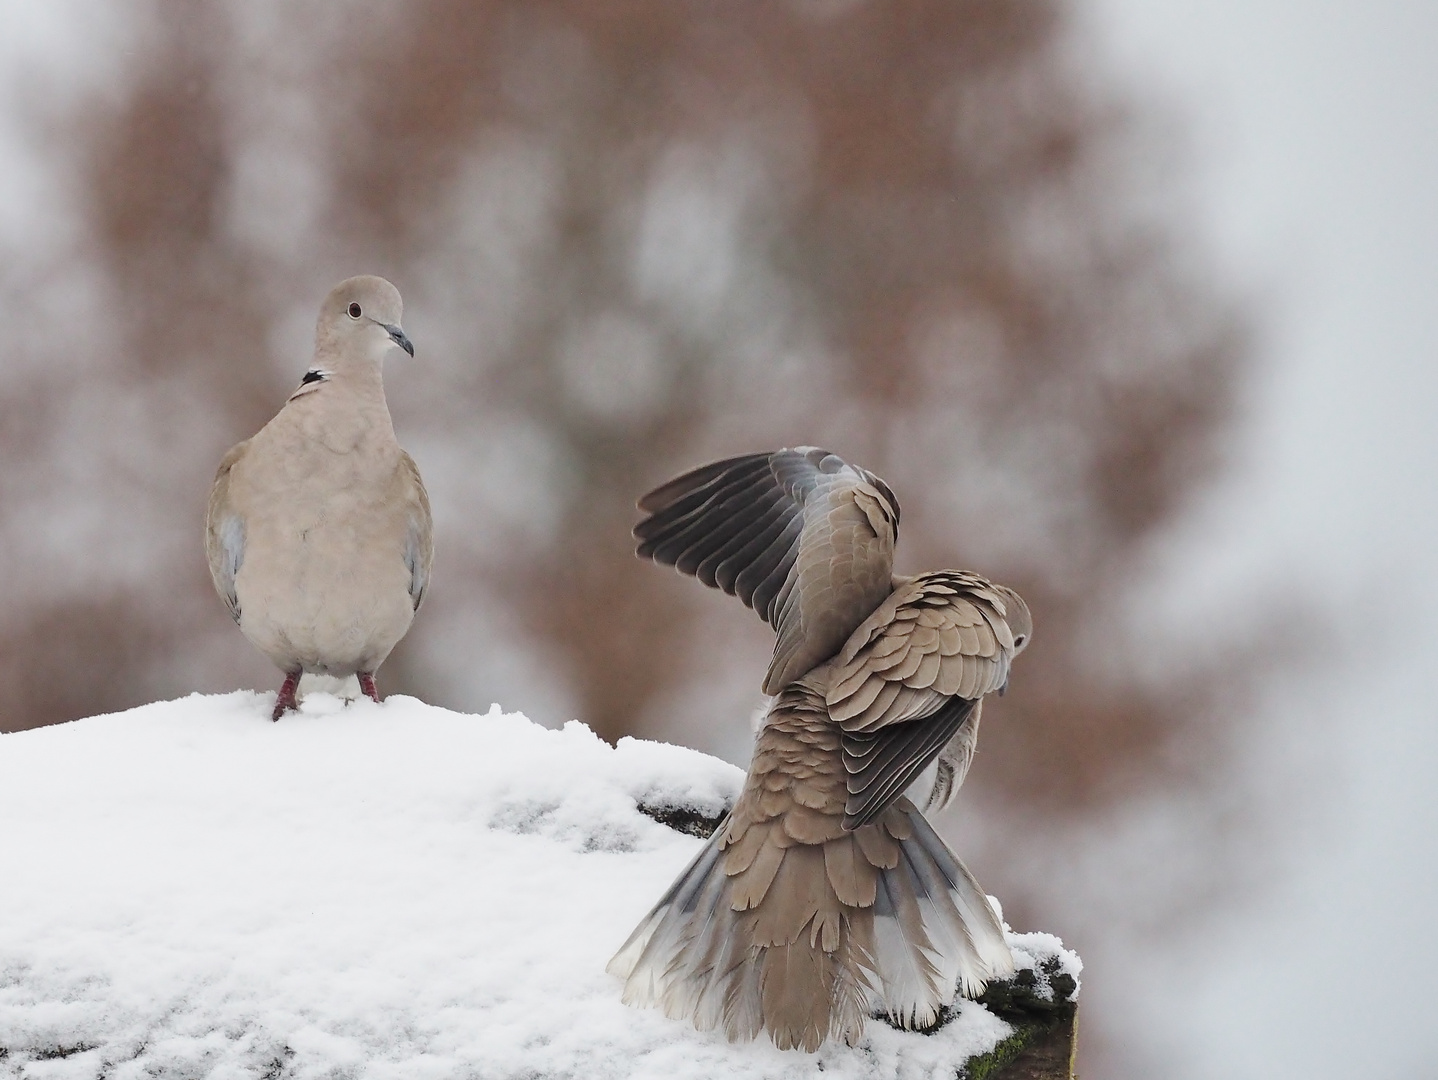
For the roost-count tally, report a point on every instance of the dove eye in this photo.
(354, 311)
(1019, 641)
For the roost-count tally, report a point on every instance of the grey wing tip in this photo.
(855, 822)
(667, 505)
(671, 490)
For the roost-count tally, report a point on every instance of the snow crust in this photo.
(361, 890)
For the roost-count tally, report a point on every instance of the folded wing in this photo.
(225, 533)
(419, 537)
(913, 675)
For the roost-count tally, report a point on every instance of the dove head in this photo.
(359, 323)
(1021, 623)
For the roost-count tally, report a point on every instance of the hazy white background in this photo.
(1312, 132)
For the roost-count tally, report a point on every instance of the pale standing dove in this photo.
(318, 531)
(825, 896)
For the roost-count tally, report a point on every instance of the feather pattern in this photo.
(910, 677)
(935, 636)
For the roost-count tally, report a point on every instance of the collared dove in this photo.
(318, 531)
(826, 896)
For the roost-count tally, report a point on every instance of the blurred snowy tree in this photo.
(632, 236)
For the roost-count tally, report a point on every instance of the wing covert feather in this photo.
(943, 632)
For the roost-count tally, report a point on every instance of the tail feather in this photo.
(789, 923)
(975, 936)
(743, 1011)
(801, 964)
(697, 987)
(909, 989)
(680, 895)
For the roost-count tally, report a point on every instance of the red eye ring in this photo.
(354, 311)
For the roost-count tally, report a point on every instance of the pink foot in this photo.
(286, 701)
(367, 687)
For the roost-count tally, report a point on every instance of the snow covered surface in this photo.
(361, 890)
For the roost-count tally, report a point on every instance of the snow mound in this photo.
(376, 891)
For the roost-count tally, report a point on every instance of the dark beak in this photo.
(398, 337)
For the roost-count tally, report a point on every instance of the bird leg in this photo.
(367, 687)
(286, 702)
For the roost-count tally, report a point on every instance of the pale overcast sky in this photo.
(1312, 132)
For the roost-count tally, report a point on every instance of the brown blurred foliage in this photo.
(632, 236)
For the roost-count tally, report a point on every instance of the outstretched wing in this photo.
(799, 535)
(912, 677)
(225, 533)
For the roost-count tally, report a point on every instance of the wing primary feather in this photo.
(735, 526)
(873, 755)
(770, 594)
(893, 748)
(698, 537)
(673, 533)
(773, 563)
(720, 567)
(870, 804)
(698, 504)
(737, 557)
(668, 494)
(881, 779)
